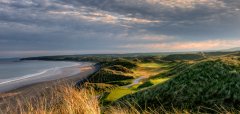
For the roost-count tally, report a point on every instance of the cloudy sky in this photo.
(48, 27)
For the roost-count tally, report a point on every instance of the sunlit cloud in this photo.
(103, 16)
(189, 4)
(186, 46)
(157, 37)
(118, 25)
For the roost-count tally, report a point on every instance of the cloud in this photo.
(186, 46)
(51, 53)
(58, 25)
(187, 4)
(103, 16)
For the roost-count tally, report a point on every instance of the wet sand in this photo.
(33, 89)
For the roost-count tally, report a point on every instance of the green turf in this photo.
(159, 81)
(118, 93)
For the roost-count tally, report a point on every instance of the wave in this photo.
(44, 73)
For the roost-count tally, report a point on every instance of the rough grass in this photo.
(99, 87)
(123, 62)
(120, 83)
(56, 100)
(181, 57)
(173, 70)
(120, 68)
(236, 54)
(206, 84)
(67, 100)
(106, 75)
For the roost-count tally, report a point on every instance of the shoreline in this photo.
(33, 89)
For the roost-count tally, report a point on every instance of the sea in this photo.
(15, 73)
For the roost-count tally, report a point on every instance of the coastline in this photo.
(35, 88)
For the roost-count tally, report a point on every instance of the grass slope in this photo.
(106, 75)
(208, 83)
(120, 68)
(181, 57)
(113, 71)
(123, 62)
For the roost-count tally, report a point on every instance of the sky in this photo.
(56, 27)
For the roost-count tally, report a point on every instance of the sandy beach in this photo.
(30, 90)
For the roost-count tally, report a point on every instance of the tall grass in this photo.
(56, 100)
(68, 100)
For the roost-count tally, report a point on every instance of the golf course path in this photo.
(135, 81)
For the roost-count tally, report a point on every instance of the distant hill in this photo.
(8, 59)
(175, 57)
(233, 49)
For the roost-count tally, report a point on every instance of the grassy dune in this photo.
(211, 83)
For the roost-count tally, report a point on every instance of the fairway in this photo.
(149, 69)
(118, 93)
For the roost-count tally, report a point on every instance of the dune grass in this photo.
(210, 83)
(106, 75)
(65, 99)
(62, 99)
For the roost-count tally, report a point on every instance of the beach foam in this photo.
(44, 75)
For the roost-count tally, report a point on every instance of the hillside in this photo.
(233, 49)
(208, 83)
(180, 57)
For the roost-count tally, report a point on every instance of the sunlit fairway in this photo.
(118, 93)
(159, 81)
(149, 69)
(145, 70)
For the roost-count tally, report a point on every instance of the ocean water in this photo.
(13, 72)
